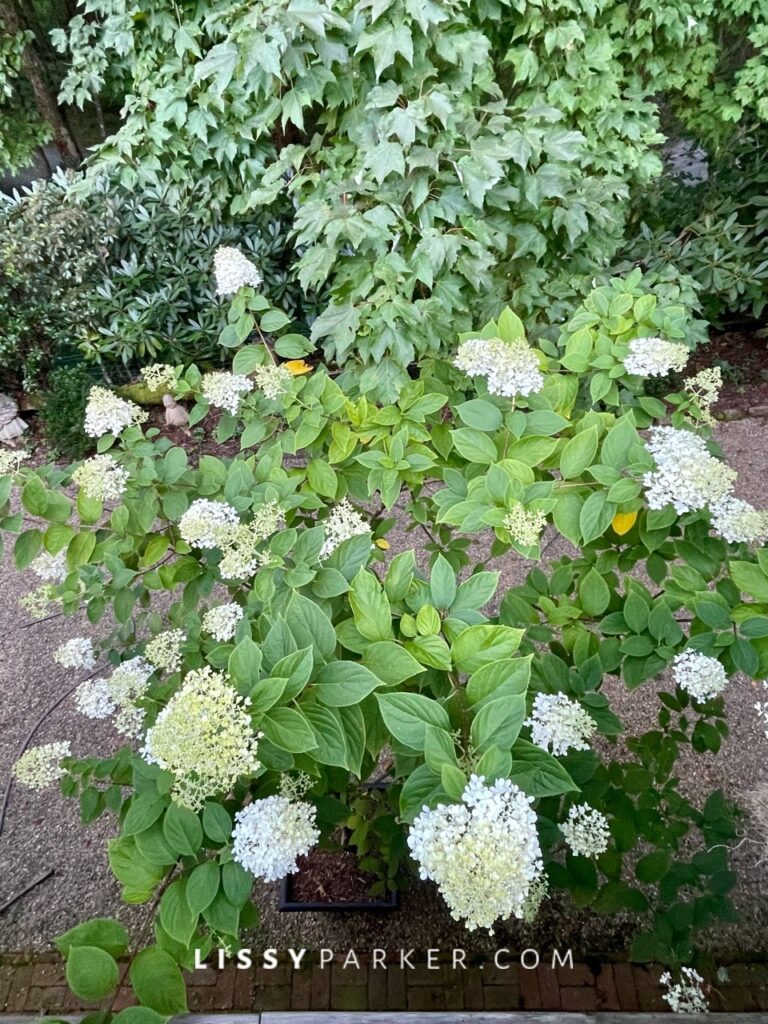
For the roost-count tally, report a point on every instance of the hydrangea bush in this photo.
(274, 654)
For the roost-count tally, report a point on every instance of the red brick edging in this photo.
(34, 984)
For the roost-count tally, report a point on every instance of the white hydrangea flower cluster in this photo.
(343, 522)
(100, 477)
(107, 413)
(233, 271)
(10, 460)
(225, 390)
(127, 685)
(686, 475)
(687, 995)
(272, 380)
(222, 621)
(204, 737)
(525, 525)
(51, 568)
(698, 674)
(159, 377)
(76, 653)
(208, 524)
(559, 723)
(738, 521)
(39, 767)
(537, 893)
(266, 519)
(270, 834)
(119, 695)
(241, 555)
(655, 357)
(483, 853)
(705, 388)
(241, 559)
(38, 602)
(295, 787)
(215, 524)
(586, 831)
(509, 367)
(93, 699)
(164, 650)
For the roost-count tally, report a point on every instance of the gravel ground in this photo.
(43, 831)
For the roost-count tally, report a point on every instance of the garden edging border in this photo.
(35, 984)
(479, 1017)
(752, 412)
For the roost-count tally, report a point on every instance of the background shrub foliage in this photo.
(441, 159)
(348, 655)
(710, 238)
(118, 278)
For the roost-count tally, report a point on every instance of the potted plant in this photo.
(361, 868)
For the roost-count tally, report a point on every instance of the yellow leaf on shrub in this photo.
(297, 367)
(623, 522)
(382, 544)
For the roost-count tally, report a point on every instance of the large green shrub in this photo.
(442, 158)
(63, 410)
(119, 278)
(155, 298)
(333, 652)
(712, 233)
(53, 249)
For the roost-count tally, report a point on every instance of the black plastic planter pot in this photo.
(287, 903)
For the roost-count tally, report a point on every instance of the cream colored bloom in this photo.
(242, 557)
(100, 477)
(509, 367)
(272, 380)
(76, 653)
(51, 568)
(204, 737)
(483, 853)
(225, 390)
(271, 833)
(525, 525)
(686, 476)
(343, 522)
(233, 271)
(164, 650)
(739, 522)
(222, 621)
(208, 524)
(698, 674)
(118, 695)
(586, 831)
(655, 357)
(106, 413)
(11, 459)
(687, 995)
(560, 724)
(705, 388)
(159, 377)
(39, 602)
(39, 767)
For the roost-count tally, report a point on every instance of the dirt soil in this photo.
(42, 831)
(327, 876)
(743, 360)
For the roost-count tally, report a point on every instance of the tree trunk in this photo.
(45, 99)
